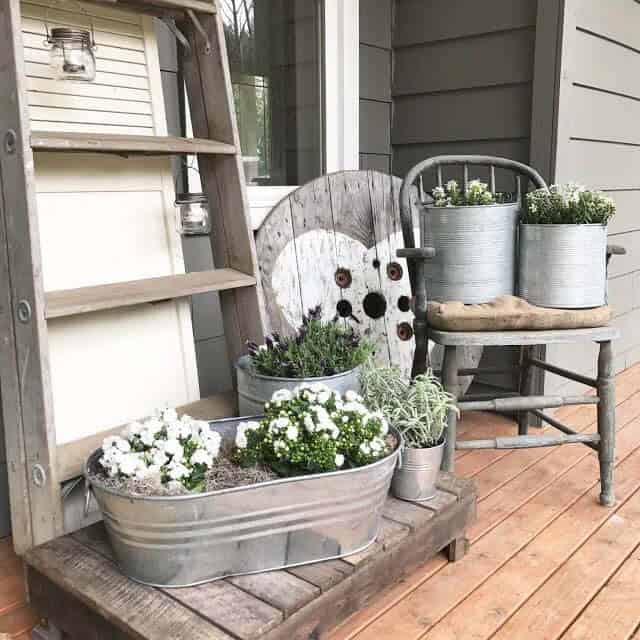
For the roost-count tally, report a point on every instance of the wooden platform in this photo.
(546, 561)
(75, 584)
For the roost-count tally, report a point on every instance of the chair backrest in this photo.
(437, 162)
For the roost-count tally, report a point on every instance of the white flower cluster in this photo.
(313, 413)
(475, 193)
(164, 446)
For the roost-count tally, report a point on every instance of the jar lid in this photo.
(65, 34)
(191, 198)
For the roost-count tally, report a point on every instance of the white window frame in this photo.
(341, 102)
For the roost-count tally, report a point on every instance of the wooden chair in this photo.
(524, 402)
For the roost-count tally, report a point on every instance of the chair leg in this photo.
(606, 423)
(525, 388)
(450, 384)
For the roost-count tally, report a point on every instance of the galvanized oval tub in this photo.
(187, 540)
(475, 247)
(255, 389)
(563, 265)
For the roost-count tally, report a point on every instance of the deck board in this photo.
(546, 560)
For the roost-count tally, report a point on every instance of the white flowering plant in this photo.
(163, 448)
(313, 429)
(475, 193)
(567, 204)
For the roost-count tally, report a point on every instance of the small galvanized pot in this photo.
(178, 541)
(417, 472)
(255, 389)
(563, 265)
(475, 247)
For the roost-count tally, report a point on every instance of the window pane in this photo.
(275, 58)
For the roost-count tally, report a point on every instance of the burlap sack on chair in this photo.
(508, 313)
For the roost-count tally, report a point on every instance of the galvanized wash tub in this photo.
(475, 247)
(183, 541)
(563, 265)
(255, 389)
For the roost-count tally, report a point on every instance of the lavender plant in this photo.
(567, 204)
(317, 349)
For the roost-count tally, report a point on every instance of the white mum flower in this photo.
(292, 432)
(212, 443)
(241, 440)
(123, 445)
(309, 424)
(202, 456)
(324, 397)
(365, 448)
(319, 387)
(147, 438)
(339, 459)
(129, 464)
(377, 445)
(177, 471)
(352, 396)
(173, 448)
(153, 425)
(356, 407)
(109, 441)
(282, 395)
(158, 458)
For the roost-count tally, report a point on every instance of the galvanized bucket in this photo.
(187, 540)
(416, 475)
(255, 389)
(475, 251)
(563, 265)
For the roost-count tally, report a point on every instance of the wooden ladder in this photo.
(36, 467)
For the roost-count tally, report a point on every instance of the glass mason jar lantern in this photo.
(192, 214)
(71, 54)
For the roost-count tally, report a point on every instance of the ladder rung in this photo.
(125, 144)
(125, 294)
(199, 6)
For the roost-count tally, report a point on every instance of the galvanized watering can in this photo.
(180, 541)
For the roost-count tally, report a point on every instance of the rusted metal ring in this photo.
(405, 331)
(394, 271)
(343, 278)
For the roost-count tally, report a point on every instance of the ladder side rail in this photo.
(210, 93)
(27, 404)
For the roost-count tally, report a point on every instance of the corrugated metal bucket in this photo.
(255, 389)
(416, 475)
(475, 247)
(187, 540)
(563, 265)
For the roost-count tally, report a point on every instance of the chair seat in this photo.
(520, 338)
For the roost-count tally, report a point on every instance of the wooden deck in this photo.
(16, 616)
(546, 560)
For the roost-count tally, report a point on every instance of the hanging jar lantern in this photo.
(192, 212)
(71, 53)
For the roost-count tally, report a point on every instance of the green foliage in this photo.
(567, 204)
(312, 430)
(417, 408)
(317, 349)
(476, 193)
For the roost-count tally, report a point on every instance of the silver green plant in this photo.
(417, 408)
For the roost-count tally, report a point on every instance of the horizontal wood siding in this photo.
(599, 145)
(462, 84)
(375, 84)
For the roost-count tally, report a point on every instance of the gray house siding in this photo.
(462, 83)
(376, 19)
(598, 144)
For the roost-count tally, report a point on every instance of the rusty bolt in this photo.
(405, 331)
(343, 278)
(394, 271)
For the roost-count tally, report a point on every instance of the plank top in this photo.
(122, 144)
(518, 338)
(276, 605)
(160, 7)
(126, 294)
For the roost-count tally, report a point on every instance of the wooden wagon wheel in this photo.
(333, 242)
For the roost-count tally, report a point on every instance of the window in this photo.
(275, 50)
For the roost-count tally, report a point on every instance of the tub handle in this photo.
(88, 492)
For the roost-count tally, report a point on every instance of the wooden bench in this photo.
(75, 584)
